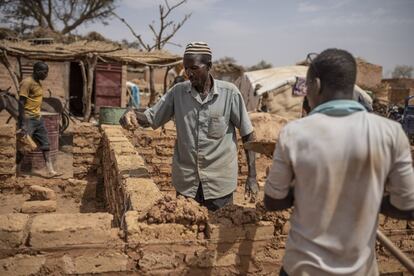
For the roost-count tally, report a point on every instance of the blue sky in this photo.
(281, 32)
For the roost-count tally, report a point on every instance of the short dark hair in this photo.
(40, 65)
(335, 68)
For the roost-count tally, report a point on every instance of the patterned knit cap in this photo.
(197, 48)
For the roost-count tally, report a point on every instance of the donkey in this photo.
(9, 102)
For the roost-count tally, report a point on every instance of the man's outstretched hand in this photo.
(251, 189)
(132, 119)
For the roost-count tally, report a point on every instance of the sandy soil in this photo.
(71, 197)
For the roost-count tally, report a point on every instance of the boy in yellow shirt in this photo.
(30, 120)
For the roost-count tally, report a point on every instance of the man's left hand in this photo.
(251, 189)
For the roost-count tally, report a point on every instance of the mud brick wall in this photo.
(157, 149)
(7, 151)
(126, 177)
(86, 149)
(61, 244)
(368, 75)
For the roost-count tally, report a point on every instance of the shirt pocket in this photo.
(217, 127)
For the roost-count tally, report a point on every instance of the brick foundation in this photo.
(86, 149)
(238, 242)
(7, 151)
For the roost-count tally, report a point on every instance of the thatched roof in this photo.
(80, 49)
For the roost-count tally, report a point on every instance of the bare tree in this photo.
(162, 34)
(402, 71)
(61, 16)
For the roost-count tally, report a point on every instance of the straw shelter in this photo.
(94, 72)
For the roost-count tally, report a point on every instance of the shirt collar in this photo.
(213, 89)
(338, 108)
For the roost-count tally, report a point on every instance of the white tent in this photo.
(279, 81)
(274, 87)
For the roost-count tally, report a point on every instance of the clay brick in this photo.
(145, 151)
(7, 166)
(8, 150)
(80, 141)
(12, 230)
(263, 230)
(88, 149)
(151, 261)
(123, 148)
(205, 258)
(54, 230)
(220, 232)
(112, 139)
(39, 206)
(21, 265)
(142, 193)
(133, 165)
(164, 151)
(112, 130)
(41, 193)
(141, 232)
(82, 128)
(7, 131)
(99, 262)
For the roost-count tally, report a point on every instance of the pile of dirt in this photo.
(179, 210)
(267, 126)
(239, 215)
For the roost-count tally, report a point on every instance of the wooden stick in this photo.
(396, 252)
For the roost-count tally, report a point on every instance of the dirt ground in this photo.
(72, 196)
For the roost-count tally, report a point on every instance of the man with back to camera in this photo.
(333, 167)
(206, 112)
(30, 120)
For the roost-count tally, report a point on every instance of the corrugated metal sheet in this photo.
(108, 85)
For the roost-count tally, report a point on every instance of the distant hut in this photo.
(88, 74)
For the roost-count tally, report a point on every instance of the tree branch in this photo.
(138, 37)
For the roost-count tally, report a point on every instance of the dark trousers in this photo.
(37, 130)
(211, 204)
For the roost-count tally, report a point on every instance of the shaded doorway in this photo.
(75, 89)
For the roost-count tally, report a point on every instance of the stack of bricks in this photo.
(7, 151)
(49, 244)
(125, 176)
(86, 149)
(157, 149)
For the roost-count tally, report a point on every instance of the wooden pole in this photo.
(84, 85)
(165, 78)
(396, 252)
(91, 61)
(153, 92)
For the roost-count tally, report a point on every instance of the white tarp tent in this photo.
(278, 81)
(274, 88)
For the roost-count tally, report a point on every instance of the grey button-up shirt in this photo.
(206, 146)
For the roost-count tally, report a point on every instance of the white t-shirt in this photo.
(339, 167)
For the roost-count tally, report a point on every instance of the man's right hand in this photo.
(132, 120)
